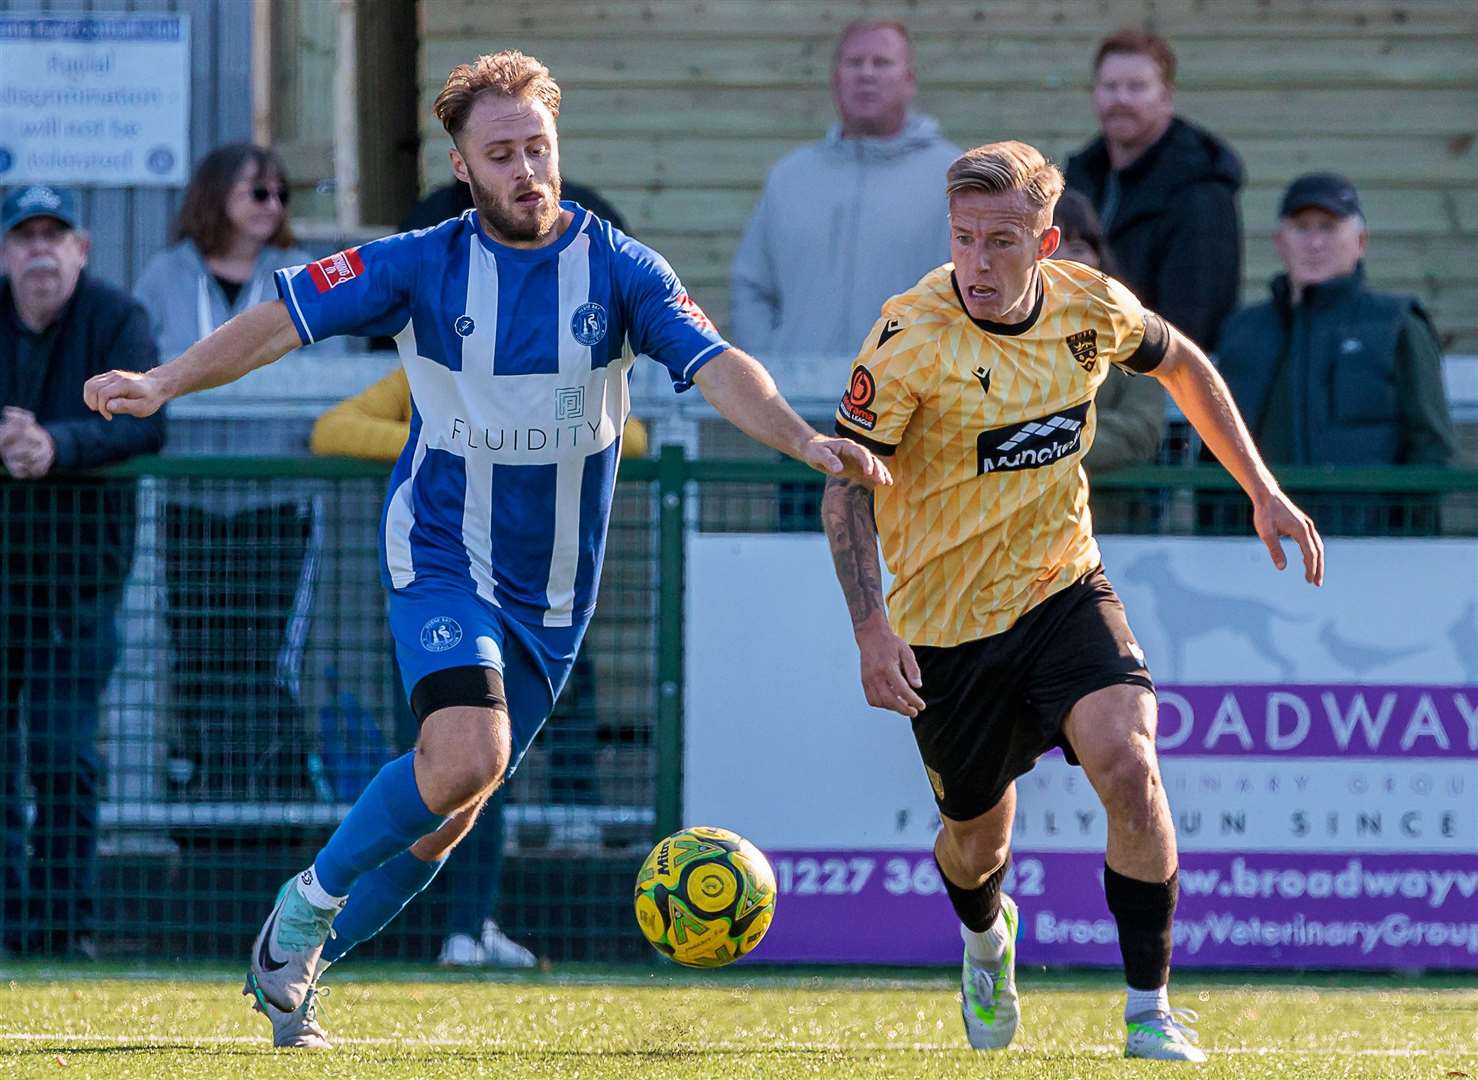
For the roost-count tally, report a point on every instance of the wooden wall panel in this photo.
(677, 109)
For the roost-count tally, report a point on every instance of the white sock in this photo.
(986, 947)
(314, 893)
(1147, 1001)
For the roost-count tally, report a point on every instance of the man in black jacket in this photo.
(1165, 190)
(1328, 371)
(67, 543)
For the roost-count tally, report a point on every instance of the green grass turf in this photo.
(595, 1023)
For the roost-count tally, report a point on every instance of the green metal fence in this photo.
(197, 672)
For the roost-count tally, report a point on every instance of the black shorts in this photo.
(995, 705)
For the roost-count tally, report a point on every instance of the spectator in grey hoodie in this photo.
(240, 558)
(845, 223)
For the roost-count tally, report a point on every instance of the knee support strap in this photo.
(472, 686)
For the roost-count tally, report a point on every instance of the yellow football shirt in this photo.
(987, 425)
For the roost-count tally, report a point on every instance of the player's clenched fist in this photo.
(124, 393)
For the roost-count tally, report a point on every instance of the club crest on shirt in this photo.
(589, 324)
(441, 633)
(860, 392)
(1084, 346)
(464, 326)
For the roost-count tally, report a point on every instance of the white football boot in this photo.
(1164, 1036)
(298, 1029)
(284, 960)
(989, 1003)
(502, 950)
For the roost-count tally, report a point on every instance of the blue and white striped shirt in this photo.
(519, 389)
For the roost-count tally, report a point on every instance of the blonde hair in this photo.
(509, 73)
(1001, 167)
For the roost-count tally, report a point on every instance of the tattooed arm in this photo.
(890, 674)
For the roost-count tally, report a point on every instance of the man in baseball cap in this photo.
(1328, 371)
(65, 542)
(38, 201)
(1325, 191)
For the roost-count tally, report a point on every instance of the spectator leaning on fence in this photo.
(254, 545)
(1165, 190)
(845, 223)
(374, 424)
(66, 544)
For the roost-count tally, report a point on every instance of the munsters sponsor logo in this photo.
(1032, 444)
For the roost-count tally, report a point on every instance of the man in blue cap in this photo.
(66, 546)
(1328, 371)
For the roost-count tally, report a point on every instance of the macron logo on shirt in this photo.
(333, 271)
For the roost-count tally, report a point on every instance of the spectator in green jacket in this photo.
(1328, 371)
(1130, 409)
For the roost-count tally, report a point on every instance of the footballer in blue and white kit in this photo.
(494, 527)
(513, 323)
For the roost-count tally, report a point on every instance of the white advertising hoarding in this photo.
(1313, 742)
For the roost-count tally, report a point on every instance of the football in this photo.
(705, 897)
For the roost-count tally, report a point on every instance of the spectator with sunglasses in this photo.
(232, 232)
(239, 558)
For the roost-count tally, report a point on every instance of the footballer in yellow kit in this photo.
(1001, 636)
(986, 426)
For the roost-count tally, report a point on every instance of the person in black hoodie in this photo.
(66, 544)
(1165, 190)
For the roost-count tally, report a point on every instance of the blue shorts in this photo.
(440, 626)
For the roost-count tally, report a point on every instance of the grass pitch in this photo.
(596, 1023)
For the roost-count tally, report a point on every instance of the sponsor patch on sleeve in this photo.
(860, 394)
(338, 268)
(690, 307)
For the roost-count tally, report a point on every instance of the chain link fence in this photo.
(198, 681)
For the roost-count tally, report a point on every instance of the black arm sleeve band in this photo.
(1152, 348)
(881, 449)
(471, 686)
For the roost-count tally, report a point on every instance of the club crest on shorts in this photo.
(589, 324)
(936, 782)
(464, 325)
(441, 633)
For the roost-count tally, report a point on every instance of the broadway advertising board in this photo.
(1319, 749)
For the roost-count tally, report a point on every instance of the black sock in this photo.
(1144, 911)
(977, 908)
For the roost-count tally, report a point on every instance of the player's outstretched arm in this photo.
(1198, 389)
(256, 337)
(890, 672)
(740, 388)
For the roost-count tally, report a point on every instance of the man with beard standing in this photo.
(511, 322)
(1165, 190)
(66, 544)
